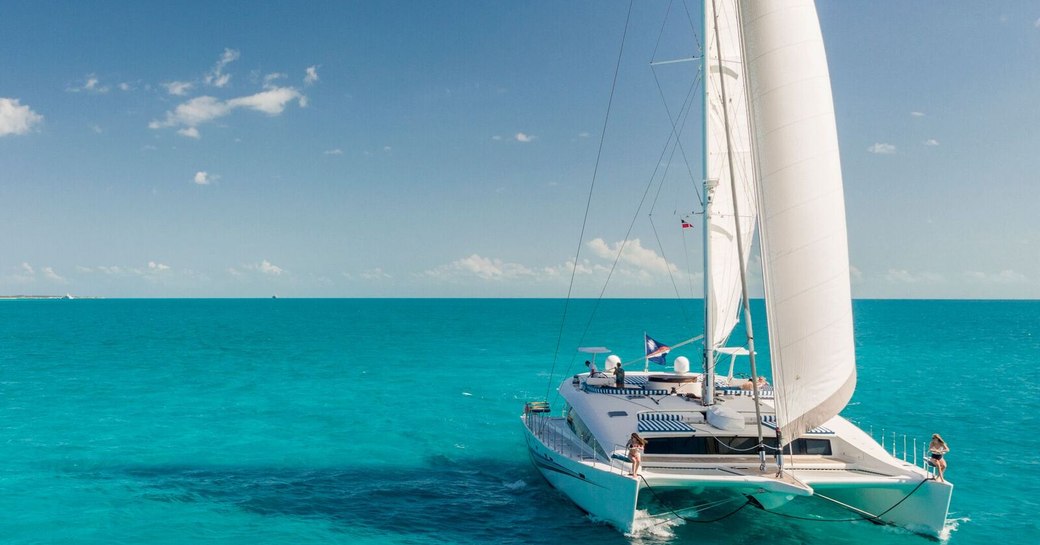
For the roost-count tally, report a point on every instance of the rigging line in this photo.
(588, 202)
(693, 28)
(864, 515)
(688, 519)
(680, 122)
(661, 34)
(675, 286)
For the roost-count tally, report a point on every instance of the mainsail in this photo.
(805, 263)
(727, 137)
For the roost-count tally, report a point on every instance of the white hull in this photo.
(816, 490)
(607, 496)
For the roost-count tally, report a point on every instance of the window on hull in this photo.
(732, 445)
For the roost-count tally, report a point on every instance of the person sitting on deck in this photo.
(593, 370)
(938, 448)
(749, 385)
(619, 376)
(762, 382)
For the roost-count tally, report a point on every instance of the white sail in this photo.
(724, 81)
(801, 213)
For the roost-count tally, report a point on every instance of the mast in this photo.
(709, 352)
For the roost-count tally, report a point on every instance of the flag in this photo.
(656, 351)
(686, 224)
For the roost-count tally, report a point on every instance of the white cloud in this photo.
(204, 178)
(125, 86)
(583, 135)
(375, 274)
(189, 132)
(216, 77)
(82, 269)
(1036, 24)
(49, 274)
(91, 84)
(903, 276)
(522, 137)
(917, 114)
(882, 149)
(496, 138)
(480, 267)
(271, 101)
(1003, 277)
(205, 109)
(312, 75)
(178, 88)
(97, 129)
(28, 269)
(269, 268)
(335, 151)
(157, 267)
(931, 142)
(633, 254)
(269, 79)
(16, 118)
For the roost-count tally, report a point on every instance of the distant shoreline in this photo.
(16, 297)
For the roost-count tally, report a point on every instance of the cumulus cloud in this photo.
(335, 151)
(312, 75)
(157, 267)
(204, 178)
(216, 77)
(882, 149)
(931, 142)
(204, 109)
(189, 132)
(480, 267)
(28, 269)
(633, 254)
(917, 114)
(522, 137)
(16, 118)
(178, 88)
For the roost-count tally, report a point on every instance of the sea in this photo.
(397, 421)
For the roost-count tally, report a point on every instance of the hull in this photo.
(920, 507)
(605, 495)
(608, 494)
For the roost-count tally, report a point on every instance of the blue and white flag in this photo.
(656, 351)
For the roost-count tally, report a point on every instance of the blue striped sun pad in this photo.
(663, 425)
(769, 420)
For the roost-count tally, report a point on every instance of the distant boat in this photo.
(771, 158)
(274, 297)
(67, 296)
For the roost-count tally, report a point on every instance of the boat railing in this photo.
(550, 431)
(903, 446)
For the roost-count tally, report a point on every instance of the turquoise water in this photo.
(396, 421)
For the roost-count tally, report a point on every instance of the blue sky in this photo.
(445, 149)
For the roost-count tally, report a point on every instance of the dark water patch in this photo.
(483, 501)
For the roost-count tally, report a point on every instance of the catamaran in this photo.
(771, 167)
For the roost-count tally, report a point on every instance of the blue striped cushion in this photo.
(663, 425)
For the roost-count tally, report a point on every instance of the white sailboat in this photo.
(772, 168)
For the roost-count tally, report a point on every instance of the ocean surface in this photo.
(397, 421)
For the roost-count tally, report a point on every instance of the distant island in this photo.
(66, 296)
